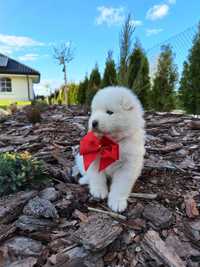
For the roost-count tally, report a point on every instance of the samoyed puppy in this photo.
(117, 113)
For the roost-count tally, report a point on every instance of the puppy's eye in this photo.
(109, 112)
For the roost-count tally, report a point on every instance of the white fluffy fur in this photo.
(126, 126)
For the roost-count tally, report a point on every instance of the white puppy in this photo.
(117, 112)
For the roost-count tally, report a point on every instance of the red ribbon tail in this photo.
(88, 159)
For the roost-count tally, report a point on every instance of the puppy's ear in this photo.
(127, 104)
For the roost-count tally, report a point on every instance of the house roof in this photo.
(11, 66)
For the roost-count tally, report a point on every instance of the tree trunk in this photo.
(65, 88)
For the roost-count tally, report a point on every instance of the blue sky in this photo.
(29, 29)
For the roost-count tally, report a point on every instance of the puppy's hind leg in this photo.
(80, 165)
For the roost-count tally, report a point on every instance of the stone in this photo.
(28, 223)
(49, 193)
(11, 206)
(39, 207)
(24, 246)
(27, 262)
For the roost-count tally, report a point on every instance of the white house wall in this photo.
(19, 88)
(31, 89)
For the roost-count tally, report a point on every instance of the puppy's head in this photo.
(115, 111)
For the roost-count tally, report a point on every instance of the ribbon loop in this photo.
(91, 147)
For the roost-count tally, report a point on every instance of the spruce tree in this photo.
(190, 82)
(138, 75)
(185, 89)
(163, 91)
(110, 74)
(82, 90)
(134, 65)
(93, 85)
(125, 48)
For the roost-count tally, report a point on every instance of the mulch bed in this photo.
(62, 225)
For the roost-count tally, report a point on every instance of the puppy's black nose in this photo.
(95, 124)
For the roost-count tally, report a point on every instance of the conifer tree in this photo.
(125, 48)
(82, 90)
(110, 74)
(138, 75)
(93, 84)
(163, 91)
(190, 81)
(185, 92)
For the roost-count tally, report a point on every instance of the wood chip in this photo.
(159, 251)
(98, 232)
(143, 195)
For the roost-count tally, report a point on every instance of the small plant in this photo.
(33, 114)
(40, 104)
(19, 171)
(13, 108)
(59, 102)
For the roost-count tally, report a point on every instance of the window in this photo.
(5, 85)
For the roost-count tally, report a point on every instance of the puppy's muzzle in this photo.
(95, 124)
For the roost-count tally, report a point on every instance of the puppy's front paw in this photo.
(117, 204)
(99, 192)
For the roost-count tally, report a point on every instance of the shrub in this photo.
(40, 104)
(13, 108)
(33, 114)
(19, 172)
(59, 102)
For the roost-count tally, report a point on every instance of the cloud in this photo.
(10, 43)
(5, 49)
(172, 2)
(136, 23)
(157, 12)
(28, 57)
(110, 15)
(18, 41)
(150, 32)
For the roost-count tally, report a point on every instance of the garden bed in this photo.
(62, 225)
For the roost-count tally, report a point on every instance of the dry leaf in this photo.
(191, 207)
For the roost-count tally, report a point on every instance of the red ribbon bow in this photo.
(105, 148)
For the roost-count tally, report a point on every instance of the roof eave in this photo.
(36, 78)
